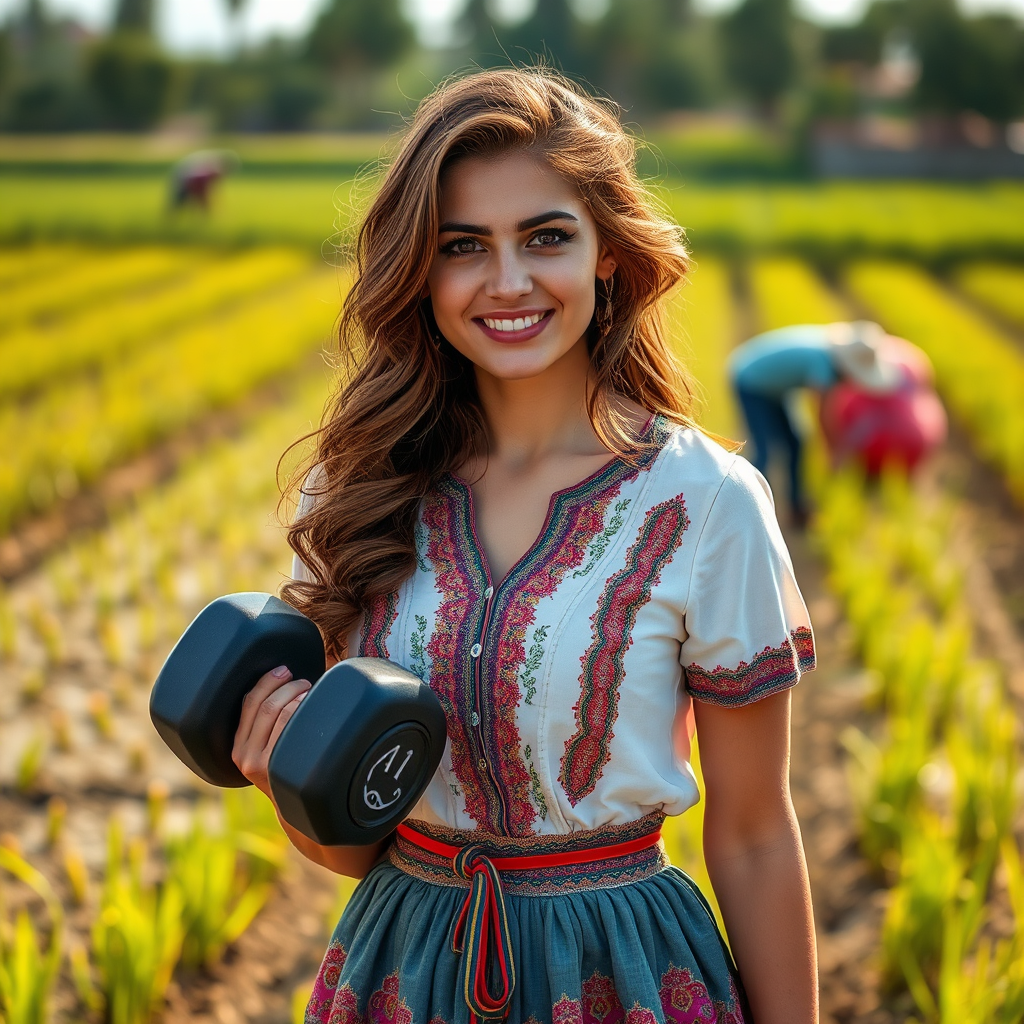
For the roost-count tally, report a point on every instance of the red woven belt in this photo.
(480, 932)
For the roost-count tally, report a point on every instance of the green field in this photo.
(118, 340)
(933, 223)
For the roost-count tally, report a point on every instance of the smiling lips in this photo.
(518, 328)
(512, 325)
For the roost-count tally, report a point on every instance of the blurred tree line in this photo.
(362, 65)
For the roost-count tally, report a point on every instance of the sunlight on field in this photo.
(141, 349)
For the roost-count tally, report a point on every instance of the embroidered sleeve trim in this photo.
(773, 670)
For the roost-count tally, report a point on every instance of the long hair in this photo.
(406, 408)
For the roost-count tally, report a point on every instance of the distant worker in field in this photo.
(193, 177)
(878, 406)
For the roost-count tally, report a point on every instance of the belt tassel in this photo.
(480, 934)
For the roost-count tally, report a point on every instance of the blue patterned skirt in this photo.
(623, 938)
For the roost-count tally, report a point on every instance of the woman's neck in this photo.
(534, 418)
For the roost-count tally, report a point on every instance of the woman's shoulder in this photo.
(700, 466)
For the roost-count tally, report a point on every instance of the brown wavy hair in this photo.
(405, 409)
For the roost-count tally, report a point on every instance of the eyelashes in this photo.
(467, 245)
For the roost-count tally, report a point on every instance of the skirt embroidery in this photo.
(684, 1000)
(628, 940)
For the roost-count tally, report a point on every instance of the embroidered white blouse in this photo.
(650, 585)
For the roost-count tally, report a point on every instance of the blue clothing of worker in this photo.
(764, 371)
(778, 361)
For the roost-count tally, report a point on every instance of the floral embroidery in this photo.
(385, 1005)
(535, 786)
(417, 646)
(532, 664)
(774, 669)
(604, 538)
(486, 747)
(625, 593)
(459, 582)
(420, 535)
(685, 1000)
(373, 643)
(318, 1009)
(563, 547)
(640, 1015)
(567, 1011)
(600, 1001)
(345, 1008)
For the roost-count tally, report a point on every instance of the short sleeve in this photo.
(748, 634)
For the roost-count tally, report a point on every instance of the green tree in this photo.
(132, 79)
(758, 51)
(353, 34)
(134, 16)
(967, 64)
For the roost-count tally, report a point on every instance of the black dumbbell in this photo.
(354, 757)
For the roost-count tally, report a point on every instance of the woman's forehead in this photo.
(503, 190)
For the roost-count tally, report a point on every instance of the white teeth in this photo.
(514, 325)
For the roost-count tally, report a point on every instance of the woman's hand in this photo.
(265, 712)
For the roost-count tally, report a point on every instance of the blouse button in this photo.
(483, 764)
(475, 650)
(488, 593)
(475, 718)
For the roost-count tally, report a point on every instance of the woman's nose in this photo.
(508, 277)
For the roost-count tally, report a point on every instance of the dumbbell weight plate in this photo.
(358, 753)
(196, 701)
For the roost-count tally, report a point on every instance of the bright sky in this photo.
(189, 26)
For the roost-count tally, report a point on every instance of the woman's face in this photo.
(512, 281)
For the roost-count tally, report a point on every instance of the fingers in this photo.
(282, 720)
(265, 686)
(270, 710)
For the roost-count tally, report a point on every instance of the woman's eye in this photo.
(549, 237)
(461, 247)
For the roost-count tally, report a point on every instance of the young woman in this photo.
(511, 500)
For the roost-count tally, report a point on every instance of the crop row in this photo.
(1000, 286)
(21, 264)
(214, 878)
(700, 325)
(71, 433)
(92, 277)
(979, 370)
(935, 790)
(115, 601)
(37, 355)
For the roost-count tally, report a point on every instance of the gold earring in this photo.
(603, 314)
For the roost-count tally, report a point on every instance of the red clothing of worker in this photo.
(896, 428)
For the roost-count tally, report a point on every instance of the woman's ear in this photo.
(606, 264)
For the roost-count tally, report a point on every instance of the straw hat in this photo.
(857, 356)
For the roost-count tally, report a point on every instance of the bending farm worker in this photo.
(768, 370)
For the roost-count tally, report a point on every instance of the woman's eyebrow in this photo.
(467, 229)
(543, 218)
(523, 225)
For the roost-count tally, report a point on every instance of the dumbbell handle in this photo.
(196, 701)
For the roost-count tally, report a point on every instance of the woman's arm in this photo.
(755, 856)
(265, 712)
